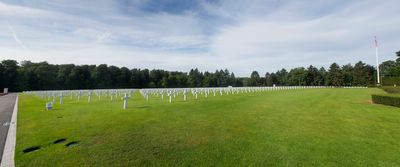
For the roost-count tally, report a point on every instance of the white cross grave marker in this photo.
(89, 96)
(49, 106)
(170, 96)
(184, 94)
(61, 98)
(125, 98)
(79, 95)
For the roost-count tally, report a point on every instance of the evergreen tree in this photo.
(297, 77)
(195, 78)
(348, 75)
(335, 76)
(321, 78)
(282, 77)
(255, 79)
(9, 74)
(268, 79)
(312, 76)
(124, 78)
(360, 74)
(389, 69)
(102, 77)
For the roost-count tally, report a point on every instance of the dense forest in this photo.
(27, 75)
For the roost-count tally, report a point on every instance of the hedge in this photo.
(389, 100)
(391, 89)
(390, 81)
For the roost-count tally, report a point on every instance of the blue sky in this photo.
(242, 36)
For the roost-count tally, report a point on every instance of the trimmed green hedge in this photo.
(390, 81)
(390, 100)
(391, 89)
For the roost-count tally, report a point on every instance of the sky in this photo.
(241, 36)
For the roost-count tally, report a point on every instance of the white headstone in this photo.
(61, 98)
(89, 96)
(125, 98)
(79, 95)
(49, 106)
(184, 94)
(170, 96)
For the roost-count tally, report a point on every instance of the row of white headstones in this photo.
(171, 93)
(52, 95)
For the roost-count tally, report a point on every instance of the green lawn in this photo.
(314, 127)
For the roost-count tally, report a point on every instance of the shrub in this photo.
(391, 90)
(390, 100)
(390, 81)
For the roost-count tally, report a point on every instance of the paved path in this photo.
(6, 110)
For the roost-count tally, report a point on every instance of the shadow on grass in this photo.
(72, 144)
(31, 149)
(58, 141)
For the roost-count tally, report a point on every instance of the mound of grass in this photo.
(316, 127)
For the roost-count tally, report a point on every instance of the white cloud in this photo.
(344, 36)
(239, 35)
(16, 11)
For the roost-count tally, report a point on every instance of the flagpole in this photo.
(377, 62)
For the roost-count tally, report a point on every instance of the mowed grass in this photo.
(313, 127)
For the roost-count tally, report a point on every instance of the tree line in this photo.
(44, 76)
(28, 75)
(360, 74)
